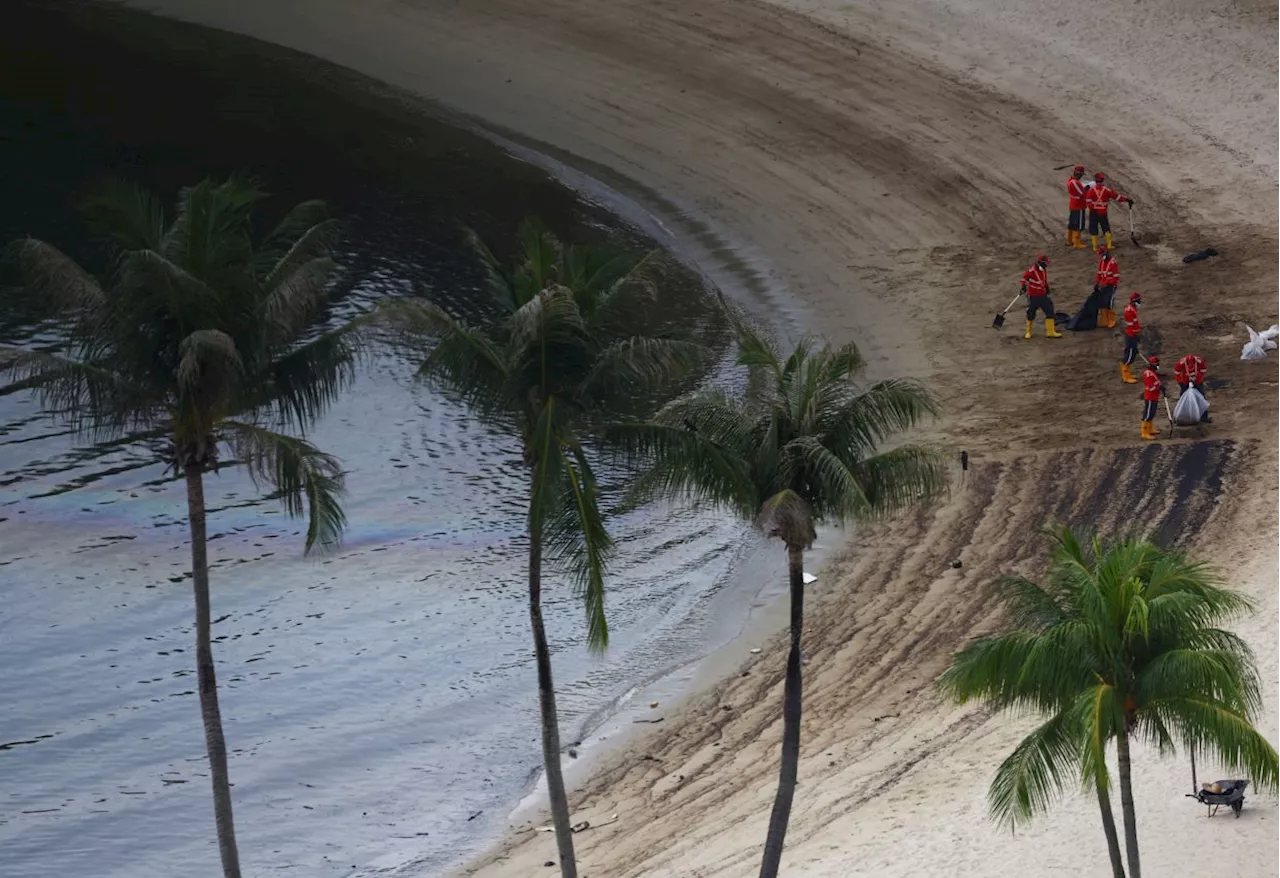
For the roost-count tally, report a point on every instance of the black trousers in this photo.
(1043, 304)
(1098, 221)
(1075, 220)
(1148, 410)
(1130, 349)
(1106, 297)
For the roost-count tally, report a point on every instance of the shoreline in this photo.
(695, 107)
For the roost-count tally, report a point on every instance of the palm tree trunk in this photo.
(1109, 827)
(781, 814)
(1126, 806)
(547, 702)
(215, 742)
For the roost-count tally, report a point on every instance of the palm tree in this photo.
(800, 448)
(561, 357)
(1121, 640)
(200, 335)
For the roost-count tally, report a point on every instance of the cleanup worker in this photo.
(1035, 286)
(1132, 330)
(1104, 287)
(1096, 198)
(1189, 372)
(1075, 207)
(1152, 390)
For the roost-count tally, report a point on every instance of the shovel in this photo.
(1133, 236)
(999, 321)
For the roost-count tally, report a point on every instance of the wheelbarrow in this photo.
(1220, 793)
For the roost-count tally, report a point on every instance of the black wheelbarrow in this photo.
(1223, 792)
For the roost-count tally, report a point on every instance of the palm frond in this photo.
(836, 489)
(1211, 727)
(1225, 676)
(578, 542)
(306, 480)
(1028, 605)
(1031, 778)
(306, 381)
(297, 224)
(295, 298)
(462, 361)
(854, 424)
(497, 281)
(126, 214)
(54, 281)
(639, 365)
(316, 243)
(94, 400)
(909, 475)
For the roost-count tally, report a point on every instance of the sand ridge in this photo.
(892, 161)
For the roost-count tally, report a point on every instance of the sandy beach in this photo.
(891, 165)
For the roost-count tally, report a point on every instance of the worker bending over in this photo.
(1035, 286)
(1189, 372)
(1152, 390)
(1097, 197)
(1132, 331)
(1076, 189)
(1104, 287)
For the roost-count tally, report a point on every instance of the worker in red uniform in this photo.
(1096, 198)
(1190, 372)
(1075, 207)
(1104, 287)
(1035, 286)
(1152, 390)
(1132, 331)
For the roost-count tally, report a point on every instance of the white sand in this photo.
(890, 164)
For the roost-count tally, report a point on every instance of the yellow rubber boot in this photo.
(1126, 376)
(1050, 331)
(1151, 428)
(1107, 236)
(1076, 242)
(1070, 237)
(1094, 239)
(1027, 334)
(1146, 430)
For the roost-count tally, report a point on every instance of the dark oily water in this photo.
(379, 702)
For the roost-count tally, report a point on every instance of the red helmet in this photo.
(1153, 360)
(1135, 297)
(1078, 169)
(1103, 250)
(1042, 259)
(1099, 176)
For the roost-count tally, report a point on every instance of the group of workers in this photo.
(1087, 204)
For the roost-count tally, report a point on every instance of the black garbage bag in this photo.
(1199, 255)
(1087, 316)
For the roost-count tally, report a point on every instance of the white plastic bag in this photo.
(1259, 343)
(1190, 409)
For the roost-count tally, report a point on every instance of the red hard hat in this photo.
(1078, 169)
(1103, 249)
(1042, 258)
(1099, 176)
(1153, 360)
(1135, 297)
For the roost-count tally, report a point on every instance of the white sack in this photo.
(1259, 343)
(1190, 409)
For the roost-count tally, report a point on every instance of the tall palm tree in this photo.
(800, 448)
(560, 357)
(1120, 640)
(199, 334)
